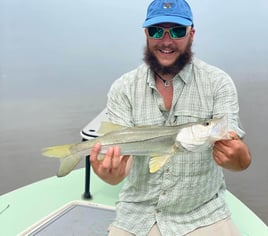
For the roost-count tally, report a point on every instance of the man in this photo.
(186, 196)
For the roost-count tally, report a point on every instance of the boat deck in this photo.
(24, 207)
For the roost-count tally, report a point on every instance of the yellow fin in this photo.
(107, 127)
(67, 164)
(58, 151)
(156, 162)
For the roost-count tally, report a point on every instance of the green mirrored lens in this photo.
(155, 32)
(177, 32)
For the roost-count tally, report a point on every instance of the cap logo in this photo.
(167, 5)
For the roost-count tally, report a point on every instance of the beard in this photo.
(183, 59)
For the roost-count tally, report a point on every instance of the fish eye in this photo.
(207, 123)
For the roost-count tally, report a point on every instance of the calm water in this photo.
(56, 65)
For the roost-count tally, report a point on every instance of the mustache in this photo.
(166, 48)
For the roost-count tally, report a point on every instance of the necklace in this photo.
(167, 83)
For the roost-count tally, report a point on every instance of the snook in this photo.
(158, 142)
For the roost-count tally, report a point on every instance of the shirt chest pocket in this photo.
(190, 116)
(141, 118)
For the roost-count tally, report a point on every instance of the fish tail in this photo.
(58, 151)
(68, 159)
(67, 164)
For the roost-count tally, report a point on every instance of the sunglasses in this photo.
(177, 32)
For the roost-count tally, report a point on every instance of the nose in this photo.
(166, 38)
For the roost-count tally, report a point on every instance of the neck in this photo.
(167, 81)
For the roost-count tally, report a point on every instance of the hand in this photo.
(113, 168)
(232, 154)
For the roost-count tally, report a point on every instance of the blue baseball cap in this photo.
(169, 11)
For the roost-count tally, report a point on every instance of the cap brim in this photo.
(167, 19)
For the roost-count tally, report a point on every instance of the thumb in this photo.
(233, 135)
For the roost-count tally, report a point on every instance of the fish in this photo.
(160, 143)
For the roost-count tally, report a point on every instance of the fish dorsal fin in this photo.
(156, 162)
(107, 127)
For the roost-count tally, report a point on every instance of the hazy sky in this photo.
(58, 59)
(46, 44)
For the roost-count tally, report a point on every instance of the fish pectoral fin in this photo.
(156, 162)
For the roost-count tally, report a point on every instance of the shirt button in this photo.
(164, 193)
(167, 170)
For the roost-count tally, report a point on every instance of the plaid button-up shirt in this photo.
(188, 192)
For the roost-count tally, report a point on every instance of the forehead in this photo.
(167, 25)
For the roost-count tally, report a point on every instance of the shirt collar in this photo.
(185, 73)
(150, 78)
